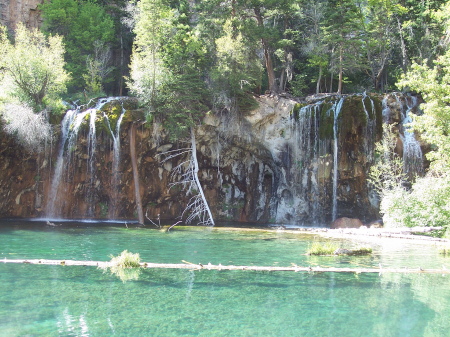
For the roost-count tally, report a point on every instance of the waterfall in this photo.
(92, 143)
(115, 176)
(370, 127)
(69, 128)
(55, 183)
(302, 195)
(412, 153)
(336, 109)
(64, 167)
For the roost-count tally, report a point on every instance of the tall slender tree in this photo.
(343, 29)
(168, 74)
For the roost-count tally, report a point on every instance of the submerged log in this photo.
(193, 266)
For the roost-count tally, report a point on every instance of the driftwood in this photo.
(193, 266)
(137, 192)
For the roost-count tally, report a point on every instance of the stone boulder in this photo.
(346, 223)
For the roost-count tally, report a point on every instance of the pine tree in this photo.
(342, 31)
(82, 25)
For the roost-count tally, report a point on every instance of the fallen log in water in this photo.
(192, 266)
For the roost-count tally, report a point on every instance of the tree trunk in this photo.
(379, 78)
(137, 193)
(122, 63)
(197, 181)
(403, 47)
(209, 266)
(282, 80)
(341, 71)
(318, 80)
(273, 87)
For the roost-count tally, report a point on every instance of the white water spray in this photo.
(57, 175)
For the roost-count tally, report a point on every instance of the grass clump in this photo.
(333, 248)
(361, 251)
(445, 251)
(125, 266)
(322, 248)
(126, 260)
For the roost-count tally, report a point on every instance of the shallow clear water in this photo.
(38, 300)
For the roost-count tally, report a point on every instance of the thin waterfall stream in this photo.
(115, 176)
(336, 109)
(412, 152)
(58, 173)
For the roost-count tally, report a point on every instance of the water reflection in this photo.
(38, 300)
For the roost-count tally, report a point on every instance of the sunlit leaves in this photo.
(434, 125)
(33, 66)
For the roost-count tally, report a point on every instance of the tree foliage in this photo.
(427, 202)
(168, 65)
(432, 82)
(387, 173)
(84, 25)
(32, 67)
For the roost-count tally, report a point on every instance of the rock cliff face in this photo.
(14, 11)
(278, 163)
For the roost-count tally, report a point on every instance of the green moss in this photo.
(296, 109)
(125, 266)
(326, 121)
(377, 101)
(125, 260)
(352, 116)
(112, 111)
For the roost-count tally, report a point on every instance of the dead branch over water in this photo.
(193, 266)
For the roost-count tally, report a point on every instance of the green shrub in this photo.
(125, 260)
(322, 248)
(125, 266)
(427, 204)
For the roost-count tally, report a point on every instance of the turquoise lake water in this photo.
(38, 300)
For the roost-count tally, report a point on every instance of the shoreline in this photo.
(416, 234)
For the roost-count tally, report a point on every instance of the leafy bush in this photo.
(32, 66)
(30, 129)
(427, 204)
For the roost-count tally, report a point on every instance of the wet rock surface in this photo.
(272, 165)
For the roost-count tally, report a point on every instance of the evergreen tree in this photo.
(380, 38)
(313, 44)
(168, 66)
(84, 25)
(342, 31)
